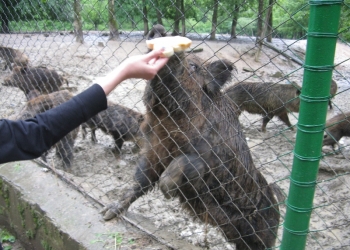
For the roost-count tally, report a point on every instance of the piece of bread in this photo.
(170, 44)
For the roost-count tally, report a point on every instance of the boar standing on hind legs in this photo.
(35, 78)
(267, 99)
(195, 150)
(119, 121)
(42, 103)
(13, 56)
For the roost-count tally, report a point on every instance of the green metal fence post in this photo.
(321, 43)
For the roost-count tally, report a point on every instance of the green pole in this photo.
(320, 50)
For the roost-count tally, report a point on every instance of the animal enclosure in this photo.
(205, 151)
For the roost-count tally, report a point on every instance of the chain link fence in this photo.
(224, 153)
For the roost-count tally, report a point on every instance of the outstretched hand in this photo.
(142, 66)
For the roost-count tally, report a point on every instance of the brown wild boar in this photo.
(337, 127)
(41, 103)
(196, 150)
(13, 57)
(267, 99)
(29, 78)
(119, 121)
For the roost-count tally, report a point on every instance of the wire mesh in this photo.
(68, 45)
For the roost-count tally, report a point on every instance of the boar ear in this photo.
(219, 73)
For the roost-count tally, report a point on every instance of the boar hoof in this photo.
(111, 210)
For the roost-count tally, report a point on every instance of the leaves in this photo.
(5, 236)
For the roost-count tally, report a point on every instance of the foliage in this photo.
(6, 236)
(345, 21)
(290, 18)
(116, 237)
(42, 25)
(60, 10)
(95, 12)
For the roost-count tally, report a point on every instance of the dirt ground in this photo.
(104, 176)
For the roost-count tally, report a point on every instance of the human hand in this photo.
(142, 66)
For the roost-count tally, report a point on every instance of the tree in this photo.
(7, 8)
(95, 11)
(345, 21)
(144, 17)
(112, 23)
(291, 18)
(77, 24)
(183, 19)
(259, 19)
(264, 30)
(269, 24)
(235, 15)
(176, 28)
(214, 20)
(158, 12)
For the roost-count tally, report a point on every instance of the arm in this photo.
(23, 140)
(28, 139)
(143, 66)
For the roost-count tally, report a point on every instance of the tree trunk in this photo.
(5, 22)
(183, 18)
(259, 24)
(145, 19)
(133, 24)
(263, 34)
(158, 12)
(112, 23)
(77, 24)
(235, 15)
(176, 30)
(270, 22)
(214, 20)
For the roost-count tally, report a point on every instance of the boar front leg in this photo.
(184, 173)
(146, 176)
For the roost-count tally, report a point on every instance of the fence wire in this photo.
(224, 153)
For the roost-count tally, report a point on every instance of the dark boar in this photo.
(41, 103)
(13, 56)
(157, 30)
(333, 91)
(196, 150)
(266, 99)
(29, 78)
(337, 127)
(119, 121)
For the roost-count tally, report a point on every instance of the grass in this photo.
(5, 236)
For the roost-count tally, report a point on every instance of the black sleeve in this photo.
(29, 139)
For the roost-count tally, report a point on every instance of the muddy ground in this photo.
(103, 175)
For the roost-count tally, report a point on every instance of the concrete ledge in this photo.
(44, 213)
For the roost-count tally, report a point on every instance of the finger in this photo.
(158, 64)
(152, 61)
(153, 54)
